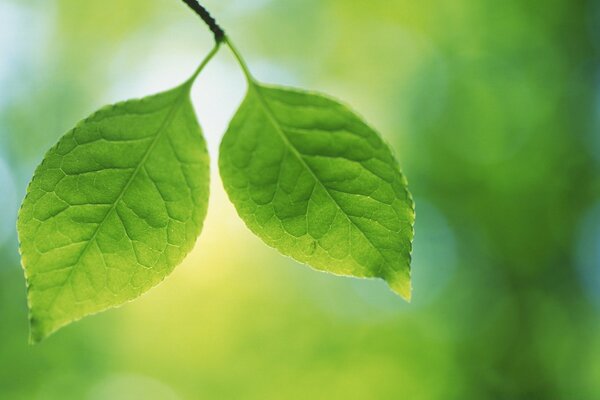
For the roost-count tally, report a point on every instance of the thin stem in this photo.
(220, 37)
(207, 18)
(240, 60)
(208, 57)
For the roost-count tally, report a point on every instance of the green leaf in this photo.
(312, 180)
(115, 205)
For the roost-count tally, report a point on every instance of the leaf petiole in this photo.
(206, 60)
(220, 37)
(240, 60)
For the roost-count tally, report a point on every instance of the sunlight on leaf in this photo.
(115, 205)
(312, 180)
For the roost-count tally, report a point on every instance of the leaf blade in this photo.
(312, 180)
(104, 219)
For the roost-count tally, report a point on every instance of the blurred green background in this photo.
(493, 109)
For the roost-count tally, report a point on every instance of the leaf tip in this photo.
(34, 339)
(40, 329)
(36, 334)
(400, 283)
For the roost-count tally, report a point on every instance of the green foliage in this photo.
(113, 208)
(493, 114)
(312, 180)
(121, 199)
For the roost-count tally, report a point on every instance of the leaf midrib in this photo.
(274, 121)
(168, 119)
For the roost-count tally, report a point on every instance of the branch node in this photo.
(208, 19)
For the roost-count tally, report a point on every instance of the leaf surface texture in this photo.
(115, 205)
(312, 180)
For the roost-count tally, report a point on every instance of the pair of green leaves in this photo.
(120, 200)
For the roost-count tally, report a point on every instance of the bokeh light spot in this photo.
(588, 254)
(8, 201)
